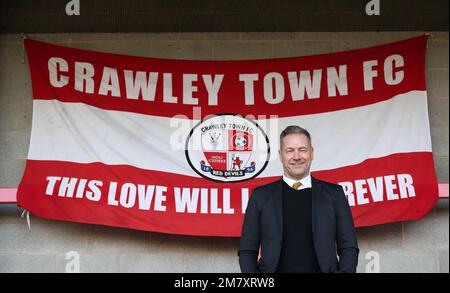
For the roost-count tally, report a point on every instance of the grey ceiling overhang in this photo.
(40, 16)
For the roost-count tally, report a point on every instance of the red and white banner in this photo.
(176, 146)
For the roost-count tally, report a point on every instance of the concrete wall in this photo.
(414, 246)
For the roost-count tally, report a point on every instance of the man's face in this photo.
(296, 155)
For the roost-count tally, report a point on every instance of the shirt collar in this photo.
(306, 182)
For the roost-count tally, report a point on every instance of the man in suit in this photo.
(298, 223)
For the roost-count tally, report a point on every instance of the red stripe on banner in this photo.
(409, 178)
(99, 194)
(187, 87)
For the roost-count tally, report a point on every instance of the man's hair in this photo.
(294, 129)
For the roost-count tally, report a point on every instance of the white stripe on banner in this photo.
(81, 133)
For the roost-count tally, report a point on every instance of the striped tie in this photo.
(297, 185)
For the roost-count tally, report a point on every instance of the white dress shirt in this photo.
(306, 182)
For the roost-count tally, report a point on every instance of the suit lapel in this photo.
(278, 202)
(316, 192)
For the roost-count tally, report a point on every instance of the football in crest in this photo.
(240, 141)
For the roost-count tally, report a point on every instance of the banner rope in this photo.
(430, 36)
(27, 213)
(24, 37)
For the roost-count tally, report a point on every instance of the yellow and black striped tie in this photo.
(297, 185)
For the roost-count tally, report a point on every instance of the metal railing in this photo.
(8, 195)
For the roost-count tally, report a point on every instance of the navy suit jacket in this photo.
(332, 226)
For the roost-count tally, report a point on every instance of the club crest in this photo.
(227, 148)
